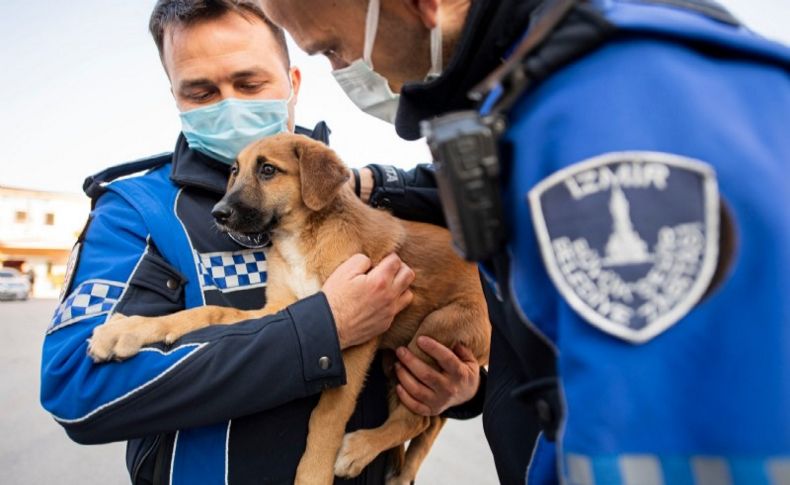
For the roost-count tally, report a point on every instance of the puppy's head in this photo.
(278, 181)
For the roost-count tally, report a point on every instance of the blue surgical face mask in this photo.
(222, 130)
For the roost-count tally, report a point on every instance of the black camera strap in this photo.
(561, 32)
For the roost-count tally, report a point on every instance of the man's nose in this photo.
(222, 212)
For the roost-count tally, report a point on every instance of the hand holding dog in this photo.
(430, 392)
(364, 301)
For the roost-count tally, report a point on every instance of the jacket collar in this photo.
(491, 28)
(194, 169)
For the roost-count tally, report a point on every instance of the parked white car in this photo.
(13, 285)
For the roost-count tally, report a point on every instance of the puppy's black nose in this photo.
(222, 212)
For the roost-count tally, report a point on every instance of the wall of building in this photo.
(37, 232)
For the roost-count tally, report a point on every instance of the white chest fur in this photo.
(301, 282)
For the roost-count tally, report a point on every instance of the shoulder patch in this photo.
(71, 266)
(630, 239)
(74, 260)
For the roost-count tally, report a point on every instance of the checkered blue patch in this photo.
(232, 271)
(92, 297)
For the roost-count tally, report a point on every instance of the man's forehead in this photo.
(293, 15)
(236, 44)
(275, 8)
(315, 24)
(297, 11)
(231, 32)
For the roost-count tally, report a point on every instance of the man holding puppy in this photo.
(638, 149)
(228, 404)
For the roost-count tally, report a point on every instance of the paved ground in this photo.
(34, 450)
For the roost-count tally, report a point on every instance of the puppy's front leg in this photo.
(329, 418)
(122, 337)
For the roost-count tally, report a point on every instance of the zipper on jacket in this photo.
(146, 453)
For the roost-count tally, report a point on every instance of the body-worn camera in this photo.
(464, 148)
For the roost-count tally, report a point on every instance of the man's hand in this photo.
(364, 301)
(429, 392)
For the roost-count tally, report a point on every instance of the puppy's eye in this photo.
(234, 170)
(268, 170)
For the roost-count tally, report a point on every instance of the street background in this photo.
(34, 450)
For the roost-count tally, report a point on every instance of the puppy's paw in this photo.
(119, 338)
(355, 454)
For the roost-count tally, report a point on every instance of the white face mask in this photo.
(369, 90)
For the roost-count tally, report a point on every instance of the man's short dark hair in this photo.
(187, 12)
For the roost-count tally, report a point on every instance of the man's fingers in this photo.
(414, 405)
(414, 387)
(445, 357)
(403, 301)
(422, 371)
(356, 265)
(387, 268)
(404, 278)
(466, 355)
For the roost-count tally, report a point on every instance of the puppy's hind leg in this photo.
(329, 418)
(363, 446)
(461, 321)
(397, 455)
(419, 448)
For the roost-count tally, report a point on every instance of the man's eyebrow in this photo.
(256, 71)
(316, 47)
(207, 83)
(195, 83)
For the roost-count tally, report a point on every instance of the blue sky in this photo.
(83, 89)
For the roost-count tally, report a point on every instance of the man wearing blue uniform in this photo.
(226, 404)
(639, 152)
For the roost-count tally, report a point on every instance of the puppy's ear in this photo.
(321, 171)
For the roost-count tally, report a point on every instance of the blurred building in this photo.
(37, 232)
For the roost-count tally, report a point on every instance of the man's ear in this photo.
(296, 80)
(321, 171)
(426, 10)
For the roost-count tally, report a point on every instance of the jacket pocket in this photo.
(156, 288)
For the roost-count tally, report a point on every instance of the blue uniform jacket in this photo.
(225, 404)
(647, 201)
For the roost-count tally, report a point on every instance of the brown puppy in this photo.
(295, 188)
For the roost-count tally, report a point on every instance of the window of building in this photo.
(49, 219)
(21, 217)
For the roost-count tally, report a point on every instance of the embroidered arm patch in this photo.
(630, 239)
(90, 298)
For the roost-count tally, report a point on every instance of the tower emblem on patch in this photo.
(630, 239)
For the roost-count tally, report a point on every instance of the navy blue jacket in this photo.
(226, 402)
(645, 195)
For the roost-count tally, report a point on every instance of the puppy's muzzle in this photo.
(239, 218)
(222, 213)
